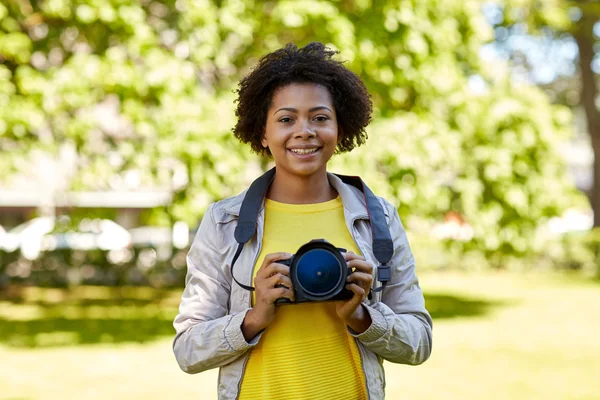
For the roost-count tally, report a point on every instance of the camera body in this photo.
(318, 272)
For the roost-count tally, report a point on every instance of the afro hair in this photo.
(313, 63)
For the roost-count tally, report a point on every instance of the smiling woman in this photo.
(312, 64)
(300, 106)
(301, 134)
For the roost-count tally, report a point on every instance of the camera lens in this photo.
(318, 272)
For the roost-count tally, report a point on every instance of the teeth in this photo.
(304, 151)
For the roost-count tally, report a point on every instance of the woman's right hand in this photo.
(272, 282)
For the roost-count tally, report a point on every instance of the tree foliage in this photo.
(565, 20)
(144, 91)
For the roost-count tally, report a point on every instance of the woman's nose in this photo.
(305, 130)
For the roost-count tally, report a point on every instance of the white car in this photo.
(27, 236)
(153, 236)
(96, 234)
(2, 236)
(36, 235)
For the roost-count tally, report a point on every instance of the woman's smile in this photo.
(304, 153)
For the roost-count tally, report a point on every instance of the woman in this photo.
(299, 106)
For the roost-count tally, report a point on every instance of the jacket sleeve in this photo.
(401, 327)
(206, 335)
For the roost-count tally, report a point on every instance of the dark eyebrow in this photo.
(309, 110)
(319, 108)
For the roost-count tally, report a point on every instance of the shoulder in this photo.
(391, 213)
(227, 209)
(353, 196)
(388, 207)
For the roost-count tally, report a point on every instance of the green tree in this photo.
(560, 19)
(146, 88)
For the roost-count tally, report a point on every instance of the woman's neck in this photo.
(294, 189)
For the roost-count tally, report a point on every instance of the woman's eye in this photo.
(285, 120)
(321, 118)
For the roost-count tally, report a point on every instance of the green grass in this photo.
(496, 336)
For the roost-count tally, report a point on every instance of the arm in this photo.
(400, 330)
(206, 336)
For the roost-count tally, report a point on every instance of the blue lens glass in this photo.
(318, 272)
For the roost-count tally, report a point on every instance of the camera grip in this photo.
(283, 300)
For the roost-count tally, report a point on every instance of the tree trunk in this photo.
(585, 42)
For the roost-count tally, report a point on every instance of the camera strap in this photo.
(383, 246)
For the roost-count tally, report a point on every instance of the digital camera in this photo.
(318, 272)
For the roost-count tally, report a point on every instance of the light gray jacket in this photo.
(212, 308)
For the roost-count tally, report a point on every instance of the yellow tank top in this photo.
(306, 353)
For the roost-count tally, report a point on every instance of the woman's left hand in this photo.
(359, 282)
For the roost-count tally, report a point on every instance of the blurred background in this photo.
(115, 136)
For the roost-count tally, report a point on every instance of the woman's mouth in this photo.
(304, 153)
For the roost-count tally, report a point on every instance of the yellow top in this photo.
(306, 352)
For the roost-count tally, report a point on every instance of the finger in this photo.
(274, 269)
(359, 293)
(278, 293)
(361, 265)
(280, 279)
(364, 280)
(351, 256)
(272, 257)
(263, 275)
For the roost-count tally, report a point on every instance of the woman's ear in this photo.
(263, 141)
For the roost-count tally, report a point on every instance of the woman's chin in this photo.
(307, 170)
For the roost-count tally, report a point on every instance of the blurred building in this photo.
(17, 207)
(41, 188)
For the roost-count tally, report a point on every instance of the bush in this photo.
(580, 251)
(156, 267)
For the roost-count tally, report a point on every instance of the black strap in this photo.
(235, 257)
(383, 246)
(247, 220)
(255, 195)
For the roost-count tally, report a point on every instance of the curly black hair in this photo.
(313, 63)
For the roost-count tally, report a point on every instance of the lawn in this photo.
(496, 336)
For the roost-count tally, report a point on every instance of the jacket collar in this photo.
(352, 198)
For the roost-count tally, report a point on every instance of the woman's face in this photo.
(301, 130)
